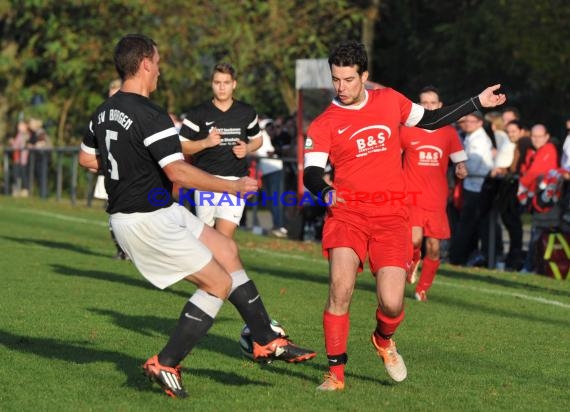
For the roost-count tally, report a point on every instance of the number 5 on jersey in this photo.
(112, 135)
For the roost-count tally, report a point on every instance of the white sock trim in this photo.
(209, 304)
(239, 277)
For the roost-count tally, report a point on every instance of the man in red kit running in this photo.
(358, 133)
(426, 156)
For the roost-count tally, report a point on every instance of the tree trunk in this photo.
(3, 112)
(60, 137)
(372, 15)
(288, 94)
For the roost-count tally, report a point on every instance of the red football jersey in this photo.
(363, 145)
(426, 157)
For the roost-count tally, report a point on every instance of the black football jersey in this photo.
(135, 139)
(239, 122)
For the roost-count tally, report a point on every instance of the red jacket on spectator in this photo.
(543, 160)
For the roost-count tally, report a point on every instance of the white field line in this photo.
(512, 294)
(286, 256)
(439, 282)
(64, 217)
(322, 261)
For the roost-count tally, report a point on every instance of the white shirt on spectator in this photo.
(479, 150)
(267, 166)
(505, 150)
(565, 162)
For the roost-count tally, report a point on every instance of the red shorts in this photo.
(434, 223)
(386, 239)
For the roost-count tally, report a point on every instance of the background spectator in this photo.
(271, 169)
(20, 156)
(539, 165)
(470, 227)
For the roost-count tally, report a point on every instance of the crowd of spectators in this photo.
(518, 172)
(27, 145)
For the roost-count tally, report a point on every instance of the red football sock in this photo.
(429, 268)
(336, 329)
(417, 254)
(386, 327)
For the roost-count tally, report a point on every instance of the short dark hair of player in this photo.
(130, 52)
(430, 89)
(225, 68)
(350, 53)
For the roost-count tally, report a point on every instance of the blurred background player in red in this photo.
(359, 134)
(426, 158)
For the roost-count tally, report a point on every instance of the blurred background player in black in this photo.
(219, 134)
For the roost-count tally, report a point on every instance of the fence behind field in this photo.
(47, 171)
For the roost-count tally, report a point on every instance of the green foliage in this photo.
(62, 51)
(463, 46)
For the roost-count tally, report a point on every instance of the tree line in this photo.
(56, 55)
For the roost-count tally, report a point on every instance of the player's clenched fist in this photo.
(240, 149)
(488, 98)
(214, 138)
(246, 184)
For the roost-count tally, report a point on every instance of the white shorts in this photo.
(164, 244)
(212, 205)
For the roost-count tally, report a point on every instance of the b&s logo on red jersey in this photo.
(429, 155)
(371, 139)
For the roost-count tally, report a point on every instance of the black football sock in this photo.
(195, 320)
(248, 302)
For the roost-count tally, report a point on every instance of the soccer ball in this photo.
(246, 342)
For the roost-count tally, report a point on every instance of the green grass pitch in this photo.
(76, 325)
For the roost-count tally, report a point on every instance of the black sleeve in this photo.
(434, 119)
(313, 180)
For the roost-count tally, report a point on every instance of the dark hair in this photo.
(350, 53)
(516, 123)
(430, 89)
(513, 109)
(224, 68)
(130, 52)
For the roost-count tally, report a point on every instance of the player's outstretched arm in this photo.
(187, 176)
(434, 119)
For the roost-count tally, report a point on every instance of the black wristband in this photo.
(313, 180)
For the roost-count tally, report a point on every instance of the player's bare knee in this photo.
(227, 287)
(219, 287)
(432, 249)
(392, 309)
(433, 255)
(227, 249)
(339, 304)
